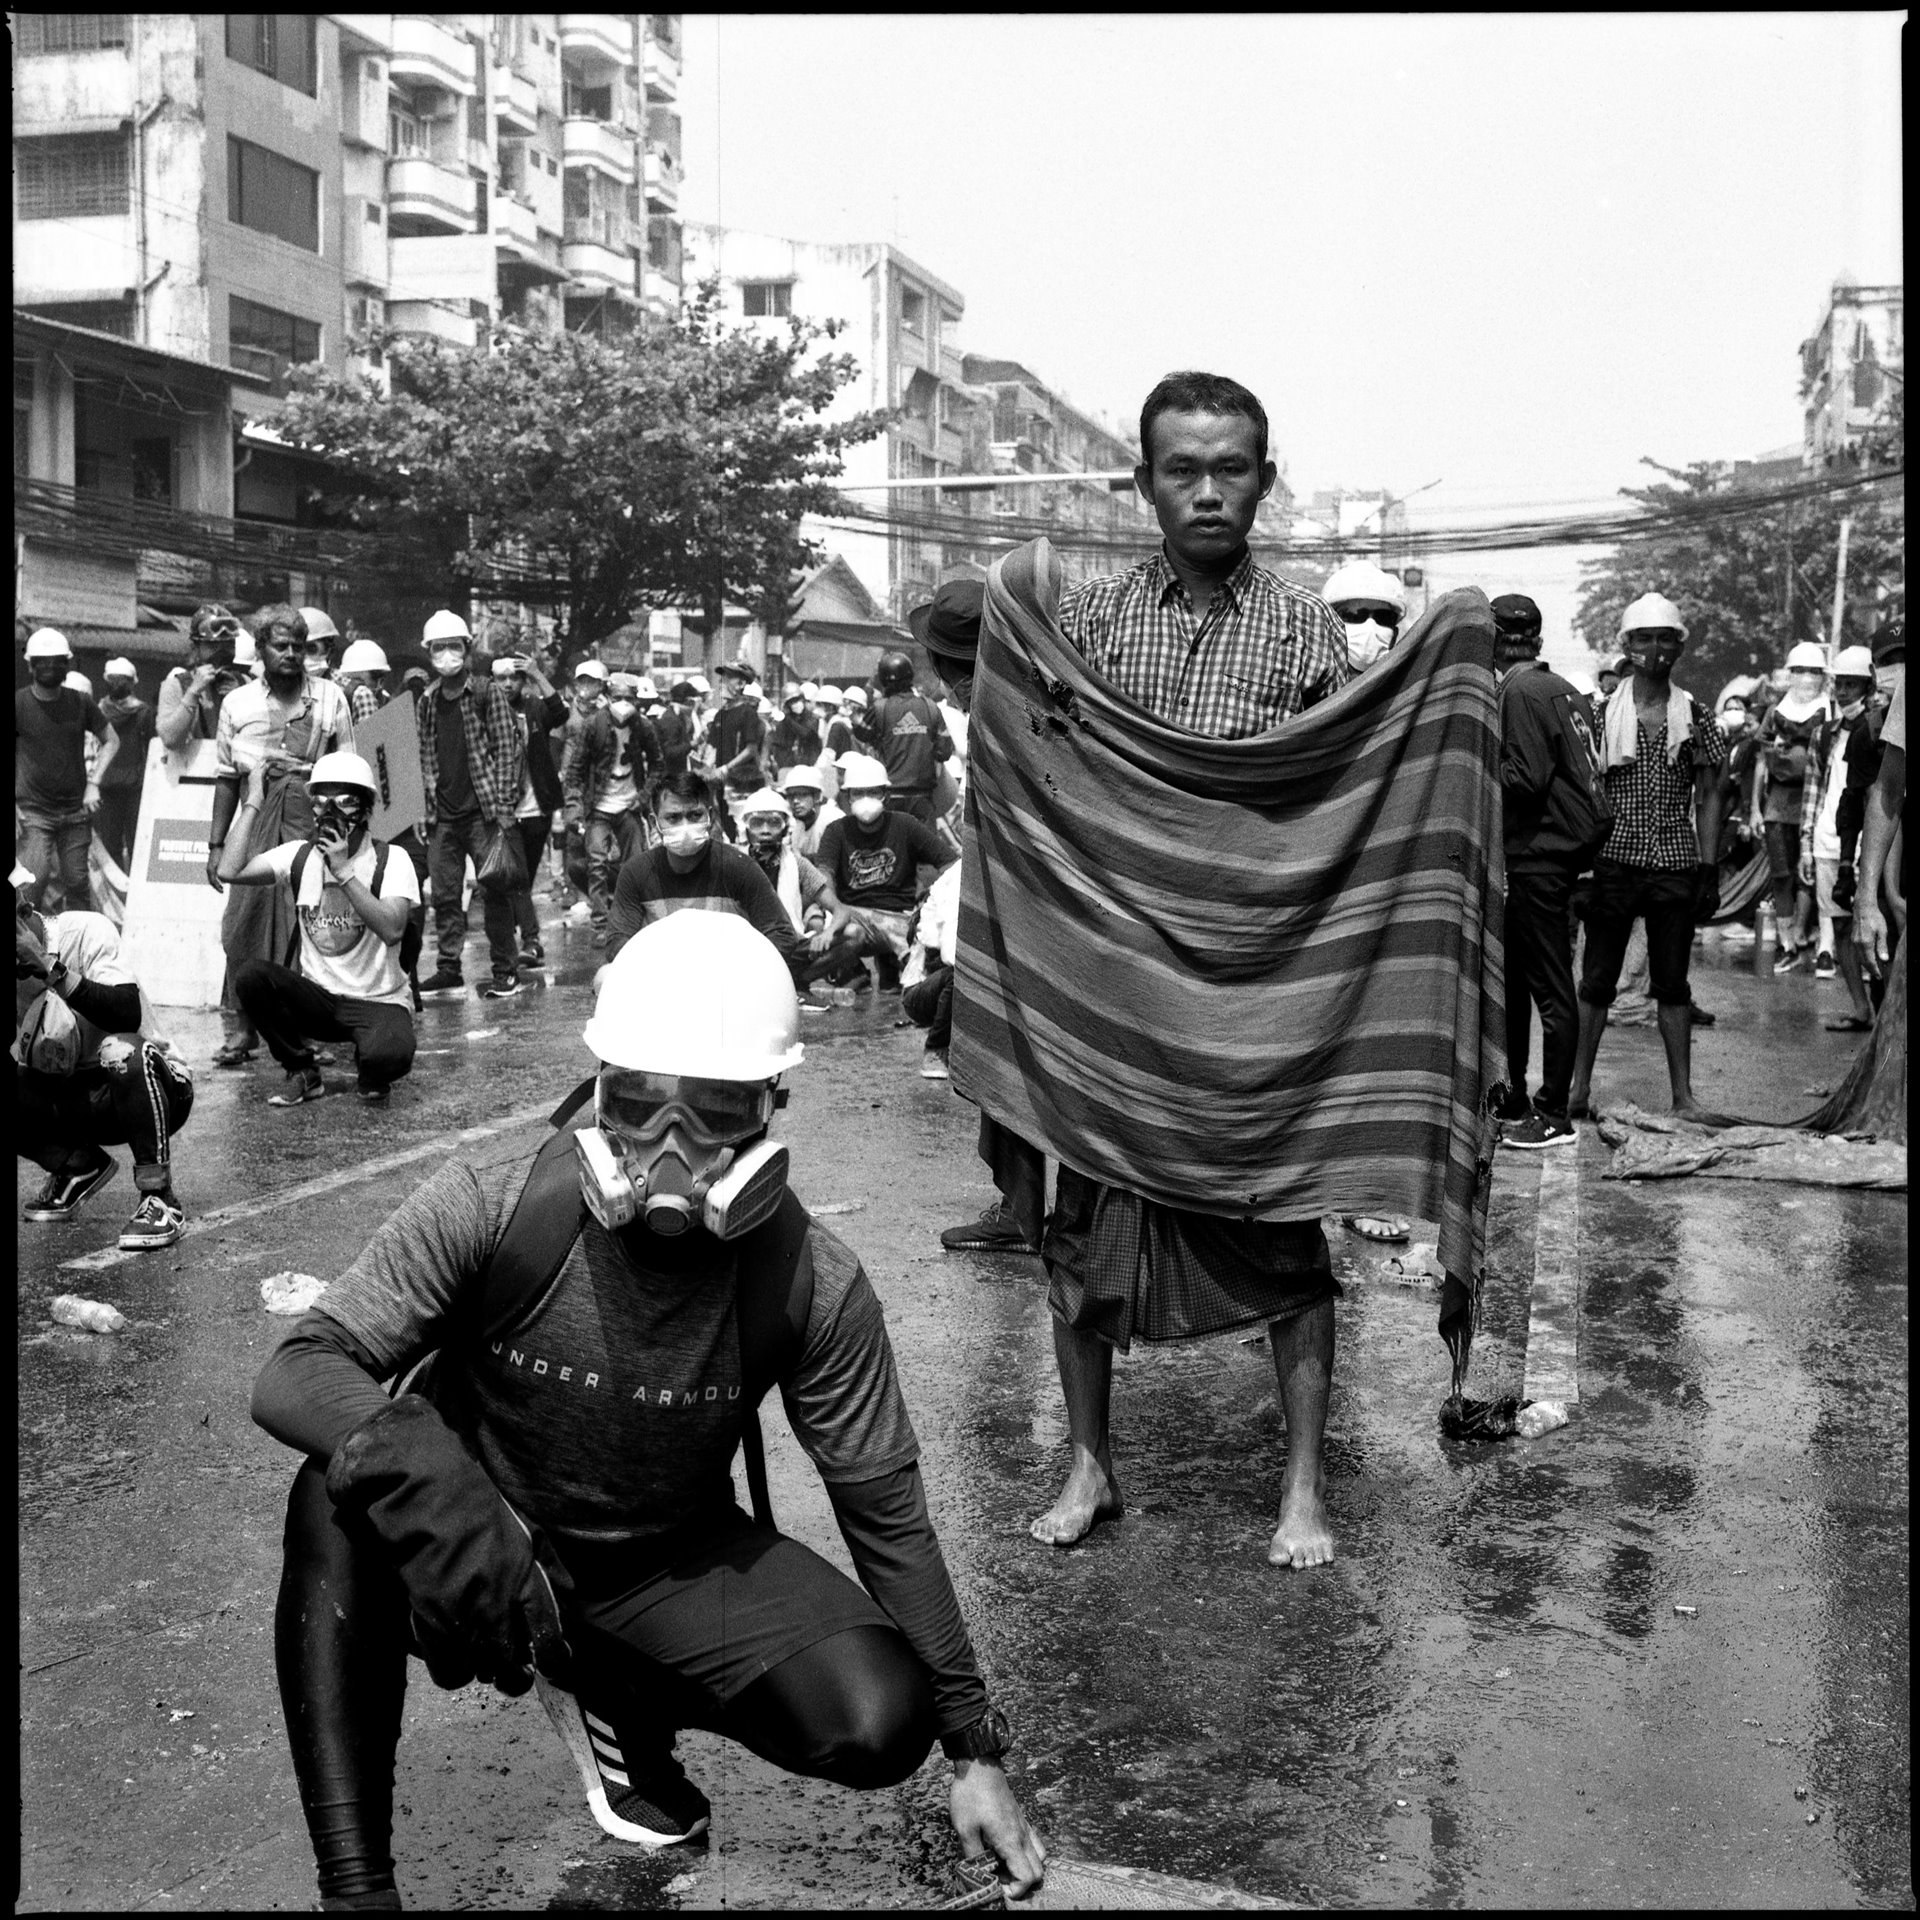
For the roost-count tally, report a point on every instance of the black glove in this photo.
(1706, 898)
(1843, 887)
(484, 1605)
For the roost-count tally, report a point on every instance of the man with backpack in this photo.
(1660, 752)
(549, 1502)
(1556, 819)
(360, 931)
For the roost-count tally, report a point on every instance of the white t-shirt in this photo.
(940, 917)
(1826, 823)
(1894, 732)
(90, 947)
(621, 794)
(806, 840)
(338, 950)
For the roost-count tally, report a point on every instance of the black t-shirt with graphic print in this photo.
(874, 866)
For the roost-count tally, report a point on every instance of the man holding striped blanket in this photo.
(1234, 964)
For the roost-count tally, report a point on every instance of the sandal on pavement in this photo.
(1848, 1023)
(1391, 1230)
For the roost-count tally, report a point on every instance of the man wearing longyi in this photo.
(1221, 944)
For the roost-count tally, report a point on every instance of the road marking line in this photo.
(1553, 1303)
(311, 1189)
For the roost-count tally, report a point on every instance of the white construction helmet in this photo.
(735, 1016)
(1362, 580)
(319, 624)
(809, 691)
(343, 770)
(809, 777)
(862, 770)
(624, 686)
(699, 683)
(645, 688)
(855, 696)
(590, 670)
(1853, 663)
(1654, 610)
(245, 652)
(79, 682)
(363, 656)
(48, 643)
(446, 625)
(119, 668)
(1807, 656)
(765, 801)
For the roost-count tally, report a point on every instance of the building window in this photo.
(152, 463)
(71, 176)
(103, 316)
(913, 310)
(272, 194)
(69, 32)
(265, 340)
(280, 45)
(766, 299)
(406, 137)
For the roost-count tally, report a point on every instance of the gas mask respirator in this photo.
(334, 814)
(671, 1152)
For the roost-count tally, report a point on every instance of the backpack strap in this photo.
(540, 1233)
(301, 855)
(773, 1298)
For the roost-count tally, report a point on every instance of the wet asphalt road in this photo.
(1488, 1699)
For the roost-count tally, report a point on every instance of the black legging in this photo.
(855, 1708)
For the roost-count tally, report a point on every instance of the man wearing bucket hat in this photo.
(549, 1503)
(1660, 752)
(353, 901)
(54, 796)
(91, 1071)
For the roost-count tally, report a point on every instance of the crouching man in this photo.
(90, 1070)
(355, 901)
(554, 1497)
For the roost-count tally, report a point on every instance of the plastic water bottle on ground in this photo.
(93, 1316)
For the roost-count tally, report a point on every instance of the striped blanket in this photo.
(1259, 977)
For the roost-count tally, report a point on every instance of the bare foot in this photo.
(1090, 1496)
(1303, 1537)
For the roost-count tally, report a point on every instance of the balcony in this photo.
(425, 198)
(363, 242)
(600, 144)
(662, 181)
(599, 268)
(516, 101)
(85, 258)
(518, 247)
(660, 71)
(433, 317)
(596, 41)
(950, 369)
(364, 32)
(426, 54)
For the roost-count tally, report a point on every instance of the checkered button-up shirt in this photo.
(1264, 650)
(496, 759)
(1652, 798)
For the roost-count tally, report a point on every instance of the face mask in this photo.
(1808, 686)
(1734, 720)
(621, 710)
(1367, 641)
(337, 816)
(686, 836)
(867, 808)
(1852, 709)
(448, 661)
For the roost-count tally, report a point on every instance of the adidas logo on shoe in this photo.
(648, 1803)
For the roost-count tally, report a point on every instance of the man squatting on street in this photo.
(557, 1496)
(1204, 639)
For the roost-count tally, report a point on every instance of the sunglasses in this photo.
(1354, 611)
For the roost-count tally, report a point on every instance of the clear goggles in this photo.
(717, 1113)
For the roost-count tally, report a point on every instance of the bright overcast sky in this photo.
(1512, 253)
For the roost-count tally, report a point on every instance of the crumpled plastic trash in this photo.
(1503, 1419)
(1538, 1417)
(290, 1292)
(95, 1316)
(1417, 1265)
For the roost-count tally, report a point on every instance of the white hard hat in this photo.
(863, 770)
(855, 696)
(506, 665)
(1362, 580)
(319, 624)
(363, 656)
(119, 668)
(699, 683)
(810, 777)
(1808, 656)
(343, 770)
(79, 682)
(48, 643)
(245, 653)
(767, 709)
(1856, 663)
(809, 691)
(1653, 610)
(21, 877)
(736, 1016)
(623, 685)
(590, 670)
(446, 625)
(645, 688)
(765, 801)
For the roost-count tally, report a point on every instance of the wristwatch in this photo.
(987, 1739)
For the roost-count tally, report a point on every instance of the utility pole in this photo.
(1839, 586)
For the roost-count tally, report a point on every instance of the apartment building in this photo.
(902, 321)
(245, 192)
(1852, 367)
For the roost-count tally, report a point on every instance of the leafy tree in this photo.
(669, 467)
(1750, 580)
